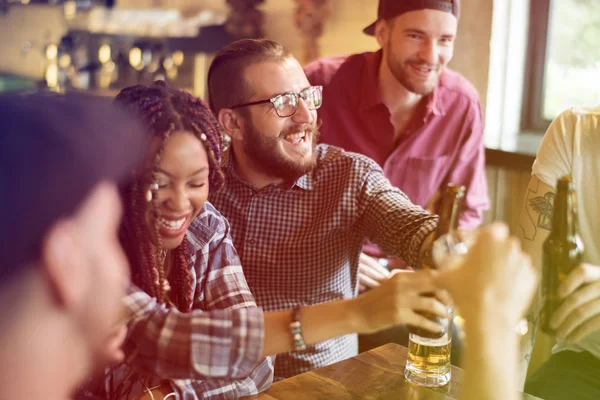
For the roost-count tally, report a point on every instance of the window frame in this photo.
(532, 118)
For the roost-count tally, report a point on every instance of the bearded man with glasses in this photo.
(299, 212)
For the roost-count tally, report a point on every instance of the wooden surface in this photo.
(515, 160)
(376, 374)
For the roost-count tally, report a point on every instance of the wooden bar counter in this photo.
(376, 374)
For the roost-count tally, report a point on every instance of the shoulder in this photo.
(347, 176)
(562, 128)
(575, 123)
(332, 158)
(208, 224)
(580, 115)
(324, 70)
(455, 84)
(555, 155)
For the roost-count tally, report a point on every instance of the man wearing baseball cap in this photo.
(403, 107)
(62, 271)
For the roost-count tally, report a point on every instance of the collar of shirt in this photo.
(305, 182)
(371, 94)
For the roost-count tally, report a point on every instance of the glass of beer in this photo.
(428, 362)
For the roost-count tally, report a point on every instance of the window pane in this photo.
(572, 73)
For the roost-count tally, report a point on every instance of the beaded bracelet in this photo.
(296, 331)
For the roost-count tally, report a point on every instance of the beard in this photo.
(402, 73)
(266, 155)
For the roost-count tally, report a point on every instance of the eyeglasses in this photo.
(286, 104)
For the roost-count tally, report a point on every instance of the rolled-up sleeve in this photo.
(391, 220)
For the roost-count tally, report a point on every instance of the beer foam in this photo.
(443, 341)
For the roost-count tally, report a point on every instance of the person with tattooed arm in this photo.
(571, 146)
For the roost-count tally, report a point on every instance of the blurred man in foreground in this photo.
(62, 271)
(492, 290)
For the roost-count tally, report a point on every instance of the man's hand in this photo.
(495, 278)
(370, 273)
(396, 301)
(579, 313)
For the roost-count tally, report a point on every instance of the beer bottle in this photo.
(449, 211)
(562, 251)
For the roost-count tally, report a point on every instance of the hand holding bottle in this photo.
(579, 313)
(562, 250)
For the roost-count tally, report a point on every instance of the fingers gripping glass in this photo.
(286, 104)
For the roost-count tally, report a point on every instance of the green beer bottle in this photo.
(562, 251)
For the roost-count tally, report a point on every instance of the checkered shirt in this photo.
(300, 243)
(219, 344)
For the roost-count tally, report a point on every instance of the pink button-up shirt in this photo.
(443, 143)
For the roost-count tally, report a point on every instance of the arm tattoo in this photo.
(528, 341)
(539, 209)
(544, 206)
(533, 319)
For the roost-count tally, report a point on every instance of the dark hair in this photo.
(164, 110)
(226, 83)
(54, 149)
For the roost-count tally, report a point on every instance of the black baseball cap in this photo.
(54, 149)
(393, 8)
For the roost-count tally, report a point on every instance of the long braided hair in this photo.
(165, 110)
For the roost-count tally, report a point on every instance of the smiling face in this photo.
(281, 147)
(417, 45)
(183, 187)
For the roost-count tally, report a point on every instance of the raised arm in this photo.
(401, 293)
(391, 220)
(230, 343)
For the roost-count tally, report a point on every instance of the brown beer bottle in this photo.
(449, 211)
(562, 251)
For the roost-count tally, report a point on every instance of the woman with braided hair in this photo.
(162, 203)
(181, 256)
